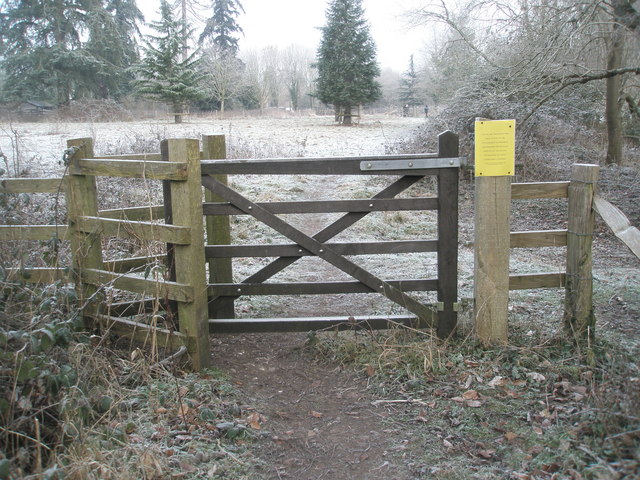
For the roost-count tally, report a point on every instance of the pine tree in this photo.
(347, 67)
(221, 28)
(45, 53)
(409, 94)
(163, 74)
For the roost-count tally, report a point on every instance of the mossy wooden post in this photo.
(81, 198)
(186, 210)
(218, 229)
(491, 262)
(579, 319)
(448, 237)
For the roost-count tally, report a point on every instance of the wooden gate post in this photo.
(491, 258)
(579, 319)
(447, 237)
(218, 229)
(186, 210)
(82, 200)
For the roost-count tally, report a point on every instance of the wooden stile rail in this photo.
(204, 305)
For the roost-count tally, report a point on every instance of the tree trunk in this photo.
(347, 115)
(613, 104)
(177, 112)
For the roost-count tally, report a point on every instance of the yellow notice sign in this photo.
(495, 148)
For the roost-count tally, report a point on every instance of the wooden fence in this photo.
(178, 223)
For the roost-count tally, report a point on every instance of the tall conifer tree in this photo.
(163, 74)
(347, 67)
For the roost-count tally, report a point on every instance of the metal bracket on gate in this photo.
(413, 164)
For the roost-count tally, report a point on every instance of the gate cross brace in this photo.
(320, 249)
(327, 233)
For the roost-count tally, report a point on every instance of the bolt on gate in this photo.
(223, 201)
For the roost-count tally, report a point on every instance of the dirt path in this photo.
(319, 421)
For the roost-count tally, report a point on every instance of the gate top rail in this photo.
(426, 164)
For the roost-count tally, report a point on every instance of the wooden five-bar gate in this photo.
(404, 171)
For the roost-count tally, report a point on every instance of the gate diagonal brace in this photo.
(424, 313)
(327, 233)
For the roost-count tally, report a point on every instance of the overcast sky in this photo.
(285, 22)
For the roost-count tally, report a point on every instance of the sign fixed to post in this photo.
(495, 150)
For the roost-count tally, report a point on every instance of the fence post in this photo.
(579, 319)
(491, 258)
(186, 210)
(218, 229)
(82, 200)
(448, 237)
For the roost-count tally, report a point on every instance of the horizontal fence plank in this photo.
(133, 156)
(310, 166)
(524, 191)
(536, 239)
(315, 288)
(32, 185)
(155, 170)
(141, 230)
(618, 223)
(38, 275)
(265, 325)
(143, 333)
(330, 206)
(154, 212)
(127, 264)
(32, 232)
(292, 250)
(160, 288)
(537, 280)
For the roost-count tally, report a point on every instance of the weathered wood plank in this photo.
(189, 261)
(160, 288)
(153, 212)
(33, 232)
(536, 239)
(291, 250)
(155, 170)
(330, 206)
(579, 317)
(316, 288)
(143, 333)
(524, 191)
(619, 224)
(214, 147)
(32, 185)
(133, 156)
(447, 238)
(38, 275)
(491, 265)
(309, 166)
(537, 280)
(147, 231)
(265, 325)
(82, 200)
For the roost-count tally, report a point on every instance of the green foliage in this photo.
(347, 67)
(221, 28)
(60, 50)
(409, 93)
(164, 73)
